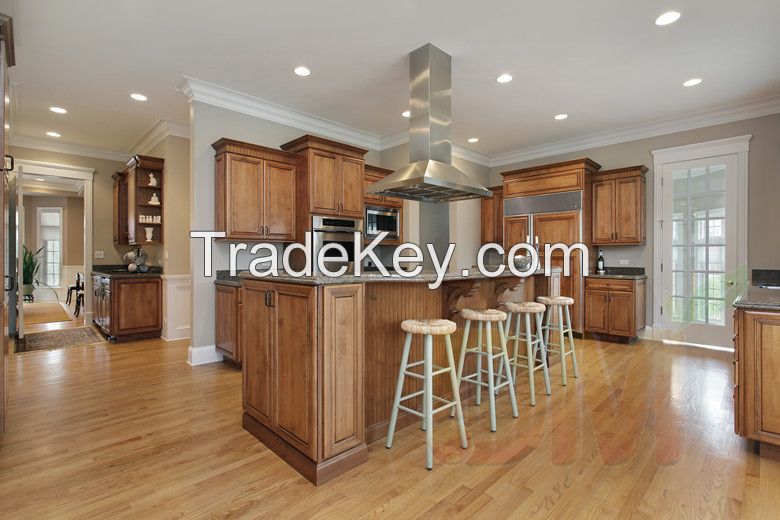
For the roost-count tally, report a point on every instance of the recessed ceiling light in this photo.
(40, 180)
(667, 18)
(53, 134)
(561, 117)
(691, 82)
(58, 110)
(7, 126)
(138, 97)
(406, 113)
(473, 139)
(504, 78)
(301, 71)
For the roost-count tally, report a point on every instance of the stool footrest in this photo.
(437, 370)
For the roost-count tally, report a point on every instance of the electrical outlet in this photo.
(623, 261)
(99, 254)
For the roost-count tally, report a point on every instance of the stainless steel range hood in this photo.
(430, 177)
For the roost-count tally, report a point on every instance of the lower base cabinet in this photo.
(756, 381)
(615, 306)
(127, 309)
(303, 373)
(227, 329)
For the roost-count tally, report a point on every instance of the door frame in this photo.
(87, 175)
(737, 146)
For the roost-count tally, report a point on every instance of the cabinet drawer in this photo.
(609, 284)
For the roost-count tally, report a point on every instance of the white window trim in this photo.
(739, 146)
(51, 209)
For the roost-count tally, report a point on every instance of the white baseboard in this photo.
(203, 355)
(177, 302)
(650, 333)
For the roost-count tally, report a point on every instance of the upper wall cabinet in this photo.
(493, 217)
(255, 191)
(331, 178)
(372, 175)
(551, 178)
(619, 206)
(144, 204)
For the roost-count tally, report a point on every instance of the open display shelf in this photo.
(139, 197)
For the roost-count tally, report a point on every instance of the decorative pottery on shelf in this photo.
(152, 180)
(149, 234)
(154, 201)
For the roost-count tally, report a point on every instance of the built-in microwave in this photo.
(379, 219)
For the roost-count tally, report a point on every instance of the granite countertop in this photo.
(120, 271)
(758, 299)
(423, 277)
(621, 273)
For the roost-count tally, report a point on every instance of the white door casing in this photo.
(700, 214)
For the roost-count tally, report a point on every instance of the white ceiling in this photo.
(603, 62)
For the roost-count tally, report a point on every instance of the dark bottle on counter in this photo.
(600, 262)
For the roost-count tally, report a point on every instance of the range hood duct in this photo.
(430, 177)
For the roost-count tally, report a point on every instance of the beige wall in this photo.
(174, 254)
(763, 187)
(207, 125)
(102, 200)
(72, 225)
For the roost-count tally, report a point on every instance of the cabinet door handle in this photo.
(267, 298)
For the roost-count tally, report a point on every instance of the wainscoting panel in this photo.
(177, 301)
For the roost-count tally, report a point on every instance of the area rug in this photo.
(53, 339)
(44, 312)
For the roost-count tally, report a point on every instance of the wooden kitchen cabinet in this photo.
(619, 206)
(615, 306)
(255, 192)
(373, 174)
(331, 178)
(516, 230)
(125, 308)
(228, 302)
(493, 217)
(120, 223)
(756, 369)
(303, 373)
(142, 214)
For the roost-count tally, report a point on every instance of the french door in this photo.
(699, 249)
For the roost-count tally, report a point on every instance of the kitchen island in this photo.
(127, 306)
(321, 356)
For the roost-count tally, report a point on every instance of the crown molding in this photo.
(25, 141)
(716, 116)
(217, 95)
(159, 131)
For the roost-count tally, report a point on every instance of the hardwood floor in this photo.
(132, 431)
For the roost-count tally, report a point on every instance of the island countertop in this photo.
(426, 276)
(759, 299)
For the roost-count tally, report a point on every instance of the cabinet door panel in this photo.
(279, 200)
(351, 182)
(603, 211)
(515, 231)
(324, 182)
(488, 224)
(244, 187)
(145, 311)
(369, 198)
(257, 350)
(498, 203)
(226, 326)
(767, 341)
(295, 308)
(630, 210)
(342, 369)
(621, 314)
(596, 311)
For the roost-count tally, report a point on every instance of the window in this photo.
(50, 239)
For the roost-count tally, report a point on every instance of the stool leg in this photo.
(399, 387)
(571, 344)
(456, 392)
(428, 401)
(548, 321)
(478, 399)
(529, 352)
(543, 349)
(462, 357)
(517, 346)
(562, 346)
(491, 379)
(509, 377)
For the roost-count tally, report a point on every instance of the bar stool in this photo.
(428, 328)
(487, 318)
(534, 343)
(554, 321)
